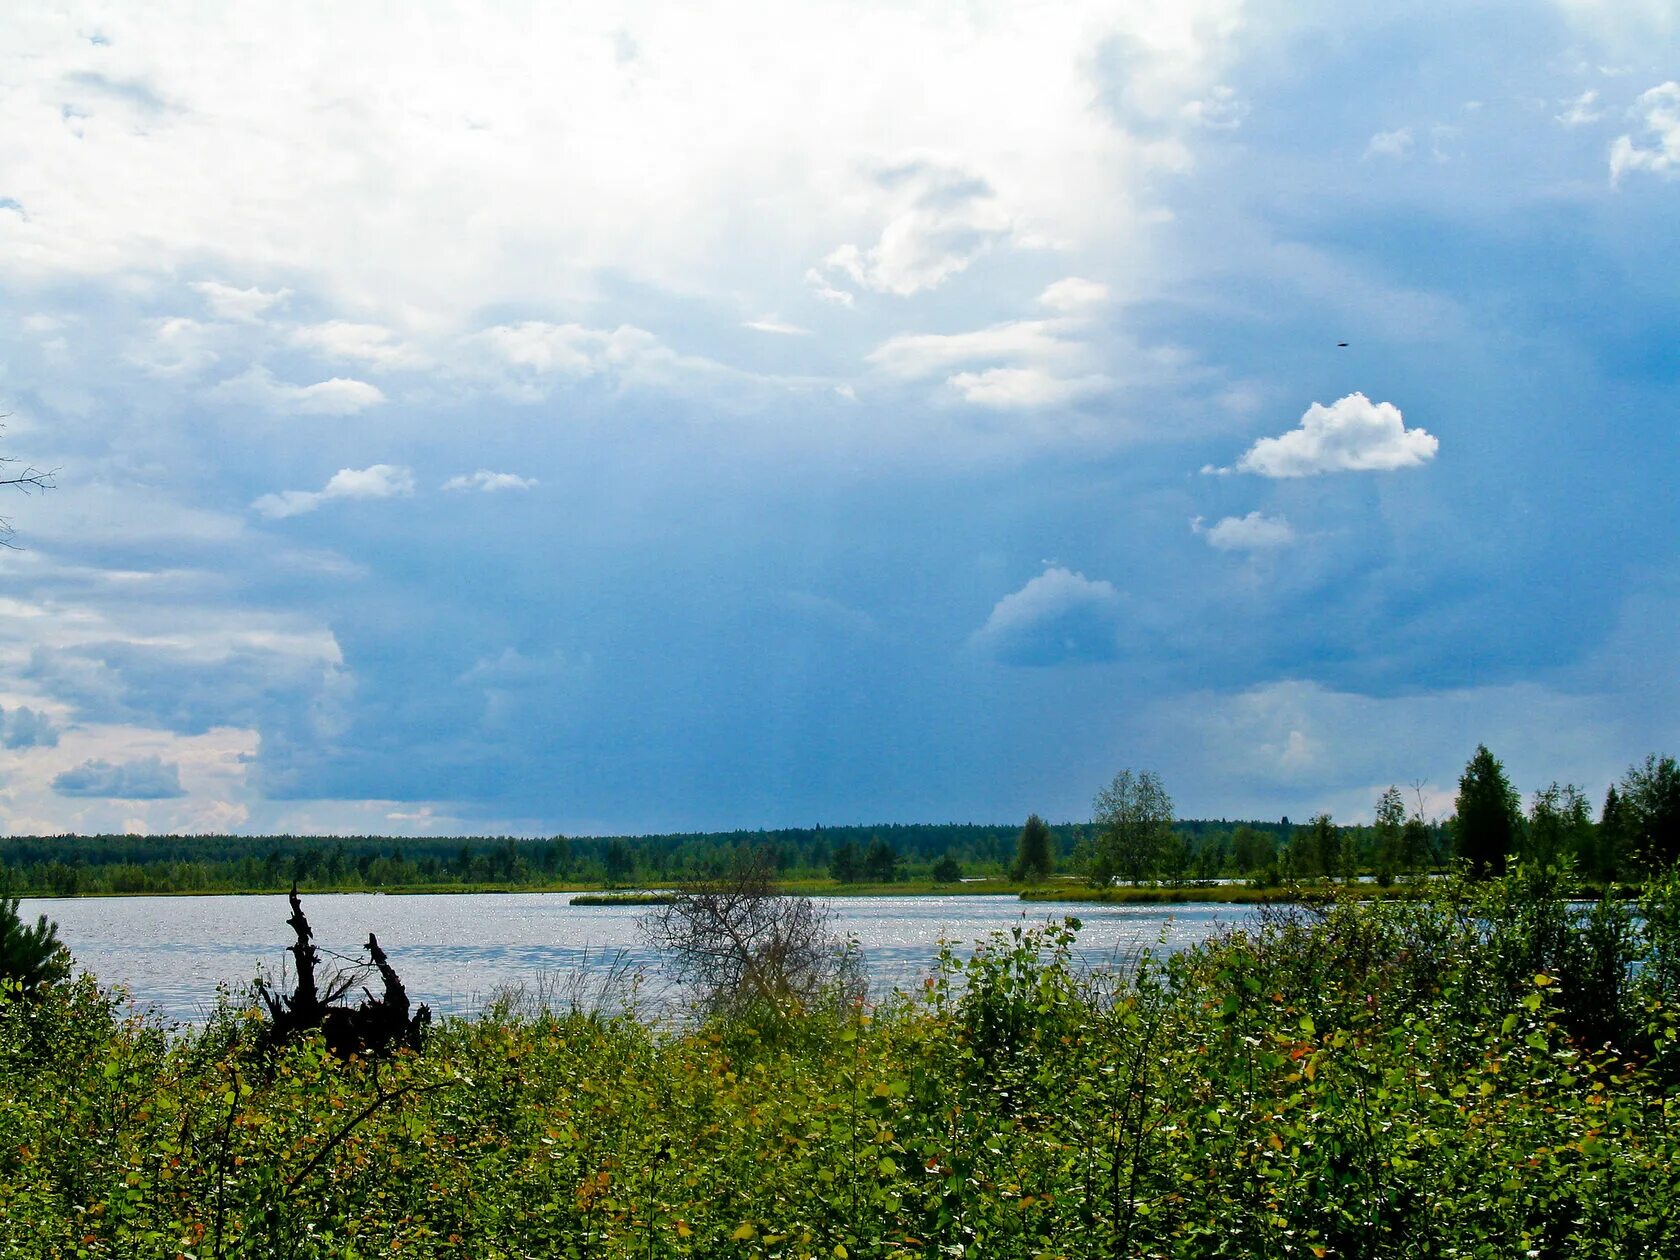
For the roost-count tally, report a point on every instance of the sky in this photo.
(532, 419)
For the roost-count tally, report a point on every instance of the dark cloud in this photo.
(24, 727)
(144, 779)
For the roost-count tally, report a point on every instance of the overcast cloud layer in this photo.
(673, 417)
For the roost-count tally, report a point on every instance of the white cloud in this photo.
(774, 324)
(364, 343)
(1254, 532)
(1580, 110)
(1023, 387)
(244, 306)
(386, 179)
(1353, 434)
(174, 347)
(1059, 617)
(488, 482)
(1658, 112)
(827, 292)
(378, 481)
(339, 396)
(1390, 144)
(940, 219)
(1220, 110)
(1074, 295)
(1020, 364)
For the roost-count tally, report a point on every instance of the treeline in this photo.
(69, 865)
(1133, 836)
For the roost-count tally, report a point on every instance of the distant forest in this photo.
(1133, 838)
(938, 852)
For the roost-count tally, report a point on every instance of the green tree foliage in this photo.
(1390, 828)
(1488, 823)
(1324, 845)
(1559, 827)
(880, 864)
(846, 866)
(30, 956)
(1252, 850)
(947, 870)
(1136, 816)
(1651, 800)
(1034, 850)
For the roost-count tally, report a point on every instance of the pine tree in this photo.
(1488, 824)
(1034, 850)
(29, 956)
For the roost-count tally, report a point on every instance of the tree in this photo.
(1034, 850)
(25, 479)
(846, 866)
(619, 862)
(1488, 823)
(1391, 834)
(1252, 850)
(880, 864)
(1651, 803)
(1325, 846)
(1610, 842)
(1136, 816)
(29, 956)
(741, 945)
(947, 870)
(1559, 826)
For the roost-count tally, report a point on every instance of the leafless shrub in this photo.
(739, 944)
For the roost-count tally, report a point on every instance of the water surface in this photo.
(454, 950)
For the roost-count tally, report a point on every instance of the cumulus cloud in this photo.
(372, 344)
(1658, 112)
(940, 218)
(527, 360)
(1352, 434)
(1060, 617)
(378, 481)
(174, 347)
(1022, 387)
(1074, 295)
(1019, 364)
(1580, 110)
(24, 727)
(489, 482)
(143, 779)
(1390, 144)
(1254, 532)
(339, 396)
(244, 306)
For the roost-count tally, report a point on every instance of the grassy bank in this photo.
(1483, 1073)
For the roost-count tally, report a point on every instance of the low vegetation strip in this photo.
(624, 899)
(1492, 1070)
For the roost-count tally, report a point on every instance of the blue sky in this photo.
(655, 418)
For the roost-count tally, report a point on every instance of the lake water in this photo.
(454, 951)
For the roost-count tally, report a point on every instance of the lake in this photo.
(454, 950)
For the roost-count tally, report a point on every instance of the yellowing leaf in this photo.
(744, 1231)
(1274, 1141)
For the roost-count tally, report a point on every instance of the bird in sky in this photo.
(1341, 345)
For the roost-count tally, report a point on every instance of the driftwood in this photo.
(375, 1026)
